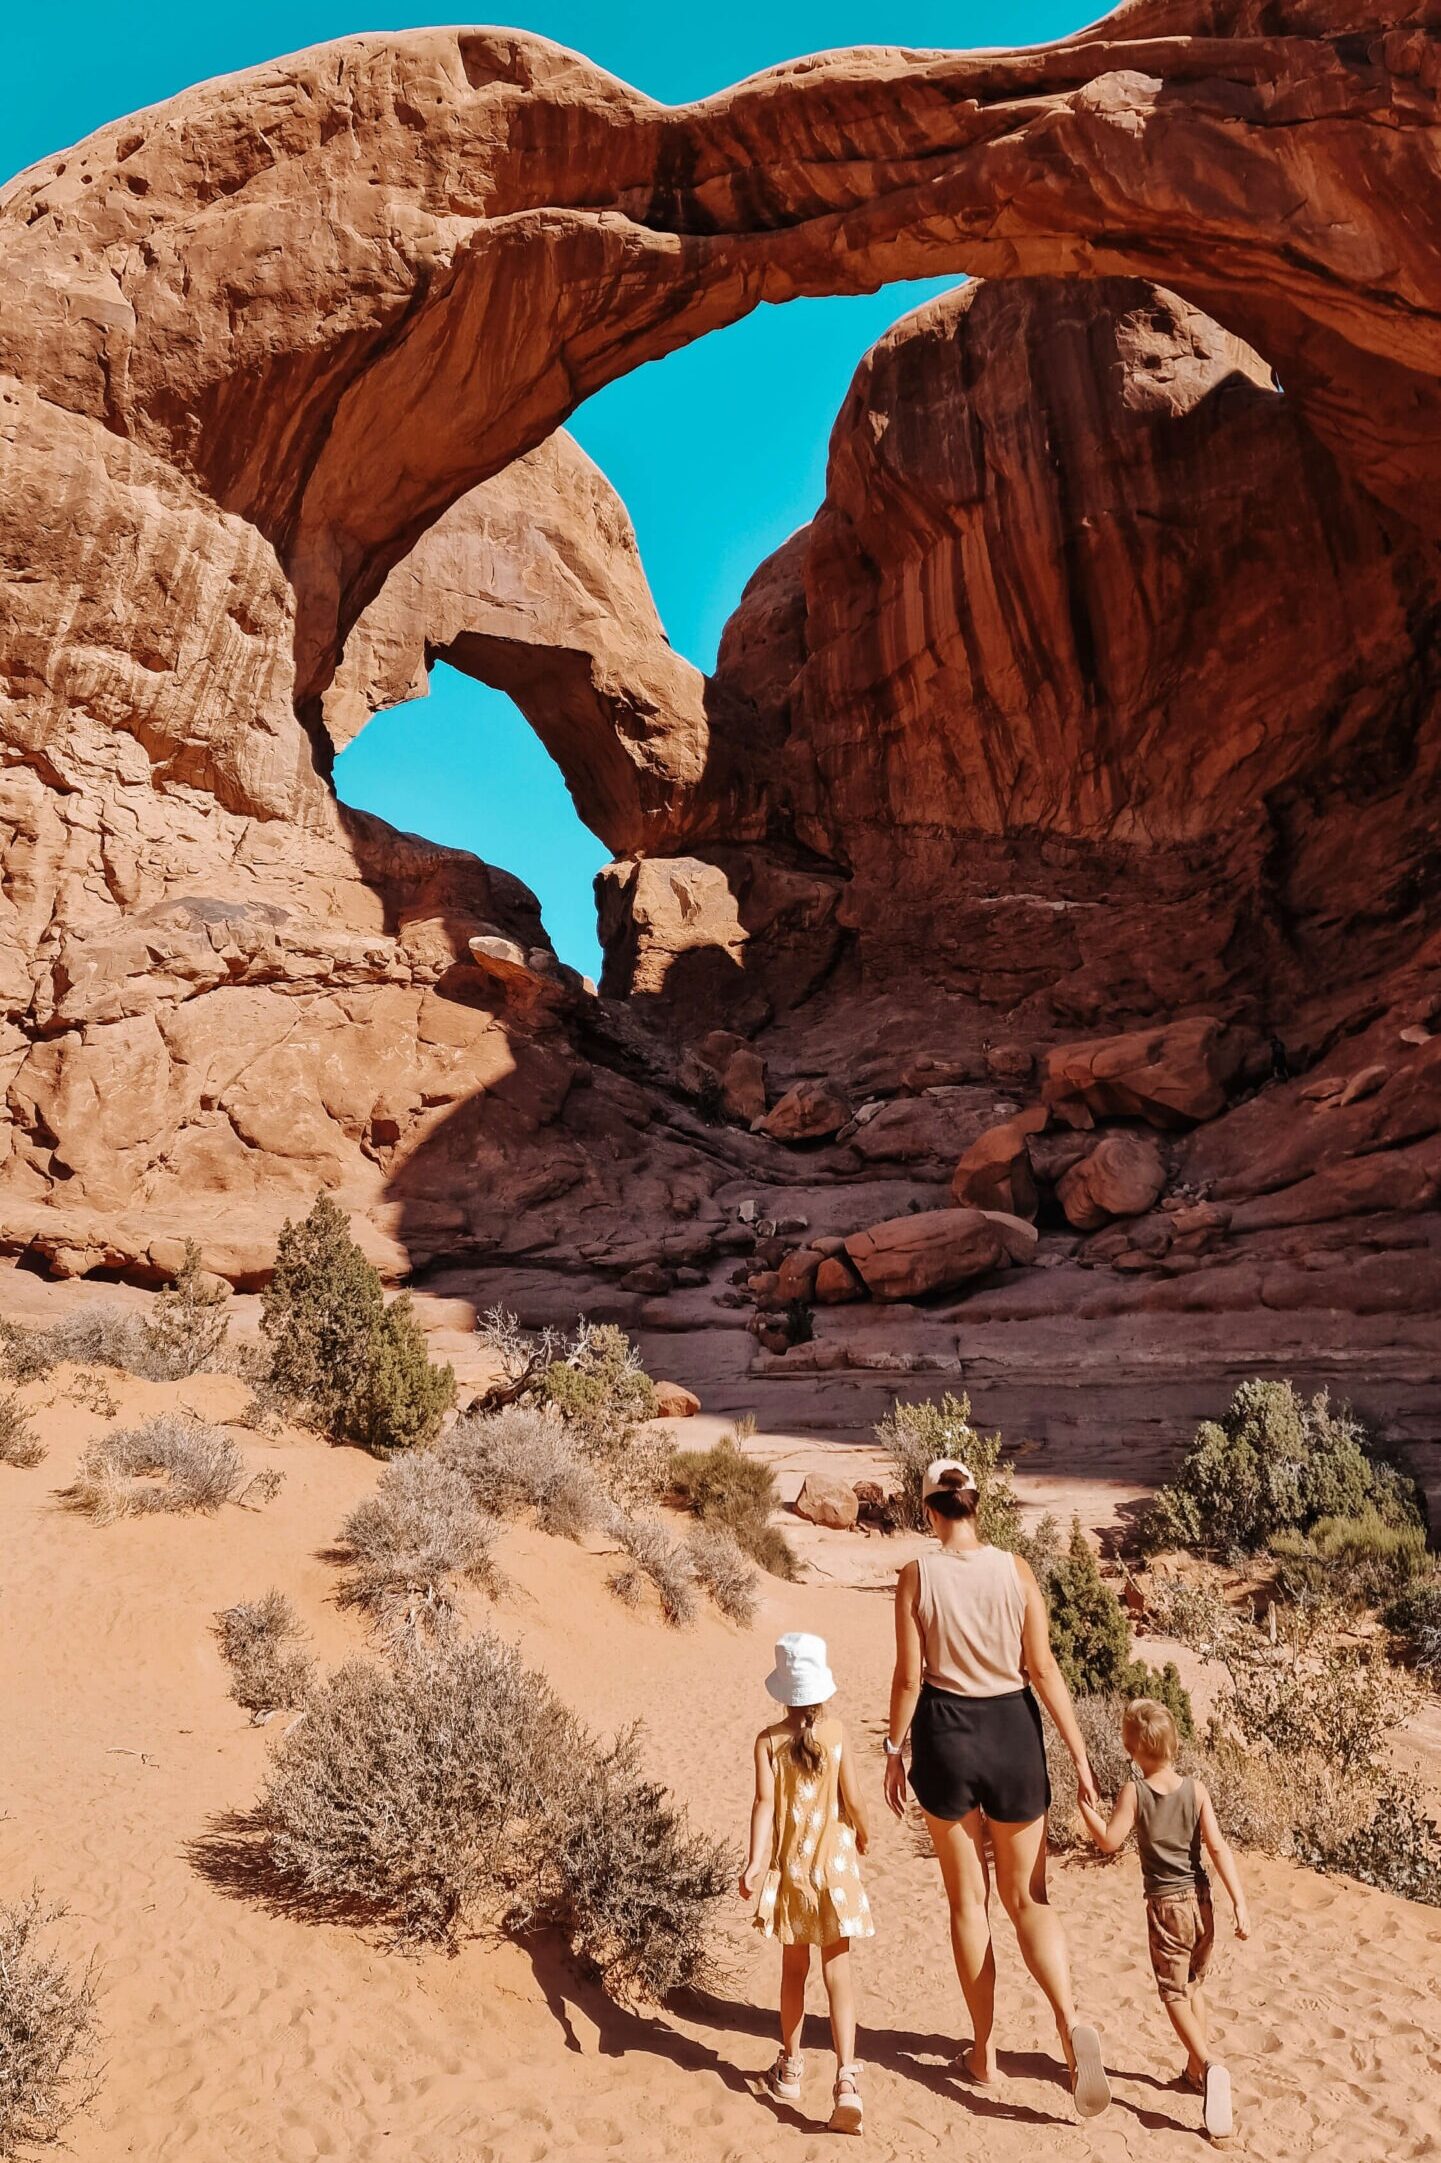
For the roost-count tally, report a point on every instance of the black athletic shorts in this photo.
(979, 1753)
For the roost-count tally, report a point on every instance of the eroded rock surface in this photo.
(1086, 738)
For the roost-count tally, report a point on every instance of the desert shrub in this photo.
(188, 1322)
(725, 1488)
(357, 1368)
(1414, 1620)
(1195, 1614)
(260, 1642)
(171, 1462)
(1357, 1562)
(592, 1378)
(413, 1543)
(913, 1434)
(454, 1787)
(1042, 1548)
(721, 1564)
(655, 1555)
(603, 1394)
(98, 1336)
(19, 1443)
(318, 1314)
(48, 2035)
(1091, 1637)
(401, 1398)
(1311, 1696)
(522, 1458)
(629, 1881)
(1397, 1848)
(25, 1354)
(1274, 1463)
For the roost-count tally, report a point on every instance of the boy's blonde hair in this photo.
(1148, 1728)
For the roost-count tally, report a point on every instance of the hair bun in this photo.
(954, 1481)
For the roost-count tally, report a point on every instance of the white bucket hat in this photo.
(801, 1675)
(936, 1472)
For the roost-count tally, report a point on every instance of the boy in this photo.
(1173, 1818)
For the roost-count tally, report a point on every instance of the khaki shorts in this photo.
(1181, 1930)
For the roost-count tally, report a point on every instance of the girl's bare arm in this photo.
(1113, 1833)
(1049, 1683)
(852, 1808)
(1219, 1849)
(763, 1817)
(905, 1681)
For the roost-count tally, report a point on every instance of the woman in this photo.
(972, 1642)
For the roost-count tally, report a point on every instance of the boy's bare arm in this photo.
(1111, 1833)
(1219, 1849)
(763, 1814)
(851, 1805)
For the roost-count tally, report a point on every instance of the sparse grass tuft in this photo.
(728, 1490)
(523, 1458)
(412, 1545)
(666, 1562)
(172, 1462)
(260, 1641)
(19, 1443)
(48, 2034)
(728, 1575)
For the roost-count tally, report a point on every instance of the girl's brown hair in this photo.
(804, 1747)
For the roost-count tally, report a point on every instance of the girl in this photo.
(807, 1828)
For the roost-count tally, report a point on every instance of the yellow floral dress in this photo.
(812, 1893)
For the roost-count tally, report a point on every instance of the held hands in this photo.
(1087, 1791)
(895, 1787)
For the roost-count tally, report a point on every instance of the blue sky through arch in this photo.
(718, 450)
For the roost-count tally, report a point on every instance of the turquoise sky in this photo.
(718, 451)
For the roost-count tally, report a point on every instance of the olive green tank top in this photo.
(1168, 1836)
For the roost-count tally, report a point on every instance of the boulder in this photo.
(727, 1064)
(1173, 1076)
(1121, 1177)
(1010, 1062)
(937, 1250)
(1364, 1084)
(836, 1283)
(1017, 1235)
(674, 1401)
(796, 1277)
(648, 1277)
(809, 1112)
(995, 1172)
(826, 1500)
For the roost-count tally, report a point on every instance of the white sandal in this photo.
(847, 2115)
(785, 2077)
(1216, 2113)
(1089, 2085)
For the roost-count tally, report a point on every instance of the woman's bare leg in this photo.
(795, 1967)
(1020, 1852)
(960, 1845)
(840, 1991)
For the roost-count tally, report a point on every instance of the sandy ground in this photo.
(231, 2031)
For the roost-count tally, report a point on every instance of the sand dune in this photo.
(231, 2031)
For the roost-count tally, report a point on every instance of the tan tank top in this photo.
(971, 1607)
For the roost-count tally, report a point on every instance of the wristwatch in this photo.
(892, 1749)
